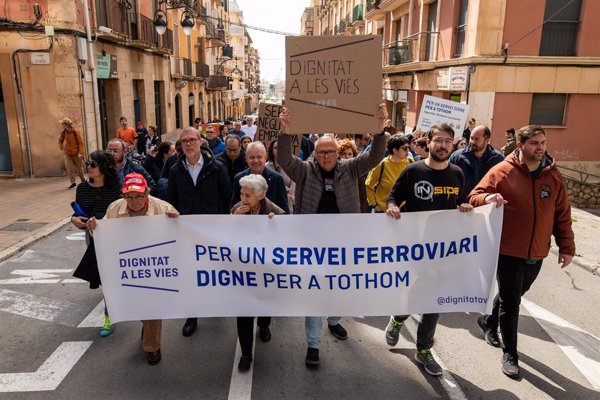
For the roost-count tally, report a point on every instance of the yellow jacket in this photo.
(379, 186)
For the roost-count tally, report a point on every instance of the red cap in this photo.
(134, 183)
(140, 123)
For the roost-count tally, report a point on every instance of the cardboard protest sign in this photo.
(333, 83)
(437, 111)
(268, 126)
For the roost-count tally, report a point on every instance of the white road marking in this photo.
(581, 347)
(76, 236)
(34, 276)
(50, 374)
(240, 387)
(95, 318)
(447, 380)
(42, 308)
(27, 257)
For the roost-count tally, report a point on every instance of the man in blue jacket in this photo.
(477, 158)
(256, 157)
(198, 184)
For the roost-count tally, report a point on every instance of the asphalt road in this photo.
(48, 350)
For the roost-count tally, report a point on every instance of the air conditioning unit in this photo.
(181, 84)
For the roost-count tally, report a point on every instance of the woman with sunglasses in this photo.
(381, 179)
(93, 197)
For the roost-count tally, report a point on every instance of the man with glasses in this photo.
(326, 185)
(198, 184)
(125, 166)
(432, 184)
(476, 159)
(233, 157)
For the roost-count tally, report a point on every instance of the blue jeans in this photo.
(313, 327)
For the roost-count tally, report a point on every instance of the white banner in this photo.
(436, 111)
(297, 265)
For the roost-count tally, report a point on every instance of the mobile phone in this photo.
(78, 210)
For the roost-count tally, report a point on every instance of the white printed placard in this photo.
(437, 111)
(155, 267)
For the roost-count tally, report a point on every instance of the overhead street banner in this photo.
(296, 265)
(436, 111)
(333, 83)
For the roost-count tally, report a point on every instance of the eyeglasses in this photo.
(443, 142)
(326, 153)
(91, 164)
(138, 197)
(404, 148)
(189, 141)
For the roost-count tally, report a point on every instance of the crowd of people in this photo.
(376, 173)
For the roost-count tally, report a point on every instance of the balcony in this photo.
(147, 35)
(342, 25)
(217, 82)
(358, 15)
(373, 10)
(391, 5)
(165, 42)
(215, 32)
(421, 46)
(182, 67)
(202, 70)
(115, 15)
(348, 19)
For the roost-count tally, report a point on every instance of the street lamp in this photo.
(190, 12)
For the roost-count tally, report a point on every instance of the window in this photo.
(559, 34)
(461, 28)
(548, 109)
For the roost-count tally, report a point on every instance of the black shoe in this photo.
(510, 365)
(490, 334)
(264, 334)
(312, 357)
(154, 357)
(190, 326)
(72, 185)
(244, 364)
(338, 331)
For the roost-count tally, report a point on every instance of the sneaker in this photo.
(510, 365)
(264, 334)
(392, 331)
(107, 329)
(425, 358)
(244, 364)
(338, 331)
(490, 334)
(72, 185)
(312, 357)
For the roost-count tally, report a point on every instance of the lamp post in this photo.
(188, 17)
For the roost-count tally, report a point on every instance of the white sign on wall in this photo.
(459, 77)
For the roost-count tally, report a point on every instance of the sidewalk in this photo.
(32, 209)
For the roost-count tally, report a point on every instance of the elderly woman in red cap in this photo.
(137, 202)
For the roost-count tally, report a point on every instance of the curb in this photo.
(19, 246)
(594, 269)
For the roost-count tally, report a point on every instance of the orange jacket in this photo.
(72, 142)
(535, 209)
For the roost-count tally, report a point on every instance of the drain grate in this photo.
(23, 227)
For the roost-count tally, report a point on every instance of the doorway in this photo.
(5, 156)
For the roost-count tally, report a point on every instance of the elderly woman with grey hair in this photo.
(253, 190)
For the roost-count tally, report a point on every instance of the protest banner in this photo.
(204, 128)
(268, 126)
(437, 111)
(333, 83)
(157, 267)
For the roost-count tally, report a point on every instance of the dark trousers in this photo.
(425, 331)
(514, 279)
(245, 329)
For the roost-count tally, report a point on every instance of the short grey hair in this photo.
(259, 145)
(190, 129)
(254, 182)
(118, 140)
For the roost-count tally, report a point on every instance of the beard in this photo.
(436, 156)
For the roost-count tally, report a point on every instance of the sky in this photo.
(278, 15)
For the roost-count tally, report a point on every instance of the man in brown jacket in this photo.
(536, 206)
(71, 144)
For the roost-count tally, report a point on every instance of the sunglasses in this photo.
(91, 164)
(138, 197)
